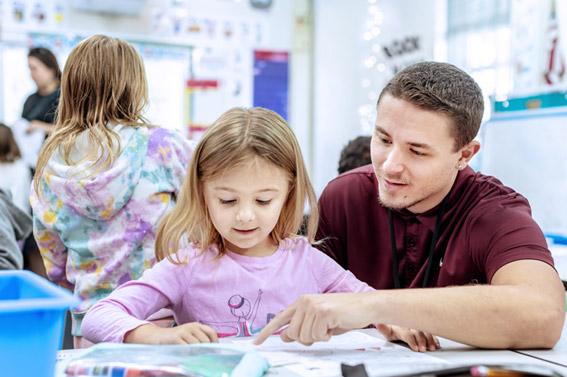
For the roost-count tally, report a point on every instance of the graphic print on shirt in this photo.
(244, 312)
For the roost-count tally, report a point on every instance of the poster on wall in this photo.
(202, 95)
(221, 79)
(167, 68)
(208, 30)
(271, 81)
(44, 15)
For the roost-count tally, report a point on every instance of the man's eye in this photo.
(418, 153)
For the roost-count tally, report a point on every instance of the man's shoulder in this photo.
(489, 200)
(356, 187)
(489, 190)
(360, 177)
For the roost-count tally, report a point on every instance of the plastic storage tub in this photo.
(32, 315)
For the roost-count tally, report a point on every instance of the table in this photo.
(452, 352)
(460, 354)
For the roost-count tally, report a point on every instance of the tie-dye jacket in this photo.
(97, 232)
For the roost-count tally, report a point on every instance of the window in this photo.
(479, 40)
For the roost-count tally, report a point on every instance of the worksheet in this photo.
(323, 359)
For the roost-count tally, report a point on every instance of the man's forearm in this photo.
(489, 316)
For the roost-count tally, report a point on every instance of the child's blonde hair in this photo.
(103, 82)
(238, 135)
(9, 150)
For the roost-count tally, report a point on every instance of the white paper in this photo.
(381, 358)
(29, 143)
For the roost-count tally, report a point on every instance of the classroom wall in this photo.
(345, 89)
(156, 23)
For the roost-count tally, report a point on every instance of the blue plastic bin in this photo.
(32, 316)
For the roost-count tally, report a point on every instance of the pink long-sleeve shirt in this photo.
(236, 295)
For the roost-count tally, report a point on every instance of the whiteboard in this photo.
(16, 81)
(528, 153)
(167, 68)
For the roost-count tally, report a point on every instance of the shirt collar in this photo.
(429, 218)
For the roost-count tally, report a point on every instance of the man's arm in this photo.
(522, 308)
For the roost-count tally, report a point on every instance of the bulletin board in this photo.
(221, 78)
(167, 68)
(271, 72)
(524, 147)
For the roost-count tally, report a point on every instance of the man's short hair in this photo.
(444, 88)
(356, 153)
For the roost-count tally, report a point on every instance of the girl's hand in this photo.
(418, 341)
(188, 333)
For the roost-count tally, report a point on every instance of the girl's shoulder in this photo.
(191, 255)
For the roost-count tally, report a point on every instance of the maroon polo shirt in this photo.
(485, 225)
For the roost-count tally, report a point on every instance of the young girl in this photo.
(105, 178)
(231, 257)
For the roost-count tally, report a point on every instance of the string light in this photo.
(373, 65)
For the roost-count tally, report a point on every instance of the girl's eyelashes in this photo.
(233, 201)
(227, 202)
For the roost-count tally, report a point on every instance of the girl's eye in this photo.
(385, 141)
(227, 202)
(263, 202)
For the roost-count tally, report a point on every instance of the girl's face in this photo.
(245, 203)
(40, 73)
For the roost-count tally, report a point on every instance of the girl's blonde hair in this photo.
(103, 82)
(233, 139)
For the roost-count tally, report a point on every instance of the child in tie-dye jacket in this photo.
(105, 177)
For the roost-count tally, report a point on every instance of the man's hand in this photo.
(188, 333)
(418, 341)
(314, 318)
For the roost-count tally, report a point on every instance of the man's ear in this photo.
(467, 152)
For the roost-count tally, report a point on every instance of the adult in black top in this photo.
(39, 110)
(40, 107)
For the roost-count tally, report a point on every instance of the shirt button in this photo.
(411, 242)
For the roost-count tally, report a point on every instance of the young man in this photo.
(418, 217)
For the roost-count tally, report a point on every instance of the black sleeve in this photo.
(28, 104)
(52, 110)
